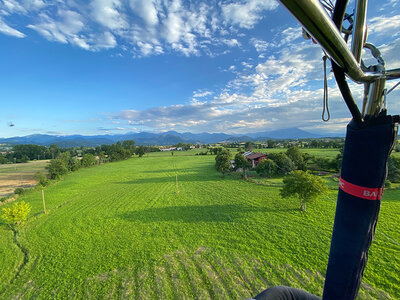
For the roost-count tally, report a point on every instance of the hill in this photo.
(164, 138)
(129, 230)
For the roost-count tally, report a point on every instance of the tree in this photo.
(284, 163)
(322, 164)
(337, 162)
(74, 163)
(267, 168)
(393, 169)
(16, 214)
(23, 159)
(3, 160)
(304, 185)
(88, 160)
(249, 146)
(30, 151)
(102, 157)
(295, 155)
(242, 162)
(57, 167)
(270, 144)
(215, 150)
(54, 150)
(223, 161)
(140, 151)
(129, 145)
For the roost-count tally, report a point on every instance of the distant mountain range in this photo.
(165, 138)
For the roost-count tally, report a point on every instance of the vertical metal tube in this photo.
(365, 99)
(359, 29)
(375, 101)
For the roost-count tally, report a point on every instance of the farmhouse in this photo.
(254, 158)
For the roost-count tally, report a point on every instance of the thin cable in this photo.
(389, 238)
(395, 86)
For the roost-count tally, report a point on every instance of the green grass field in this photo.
(125, 230)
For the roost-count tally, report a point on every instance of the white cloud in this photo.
(231, 42)
(105, 41)
(174, 27)
(246, 64)
(390, 52)
(246, 14)
(106, 13)
(384, 25)
(284, 90)
(6, 29)
(148, 49)
(201, 94)
(63, 30)
(69, 27)
(146, 27)
(260, 45)
(289, 35)
(146, 9)
(13, 6)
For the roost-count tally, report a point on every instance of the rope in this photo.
(325, 110)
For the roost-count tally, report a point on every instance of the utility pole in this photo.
(44, 204)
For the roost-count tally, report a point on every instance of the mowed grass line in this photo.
(120, 230)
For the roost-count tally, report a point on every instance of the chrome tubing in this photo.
(316, 21)
(392, 74)
(376, 96)
(359, 29)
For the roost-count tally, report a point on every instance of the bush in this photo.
(16, 214)
(57, 168)
(42, 178)
(202, 153)
(88, 160)
(267, 168)
(393, 169)
(284, 164)
(388, 184)
(74, 164)
(19, 191)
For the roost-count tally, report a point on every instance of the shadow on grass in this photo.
(194, 214)
(190, 214)
(181, 178)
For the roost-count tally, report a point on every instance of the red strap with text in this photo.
(360, 191)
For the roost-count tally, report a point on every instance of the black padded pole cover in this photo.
(366, 151)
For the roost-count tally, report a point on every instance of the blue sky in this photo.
(118, 66)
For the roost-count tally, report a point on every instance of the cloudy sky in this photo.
(117, 66)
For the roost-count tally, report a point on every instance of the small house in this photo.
(255, 158)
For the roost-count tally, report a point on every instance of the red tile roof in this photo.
(256, 155)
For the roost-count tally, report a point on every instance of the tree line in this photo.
(68, 161)
(298, 182)
(281, 163)
(118, 151)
